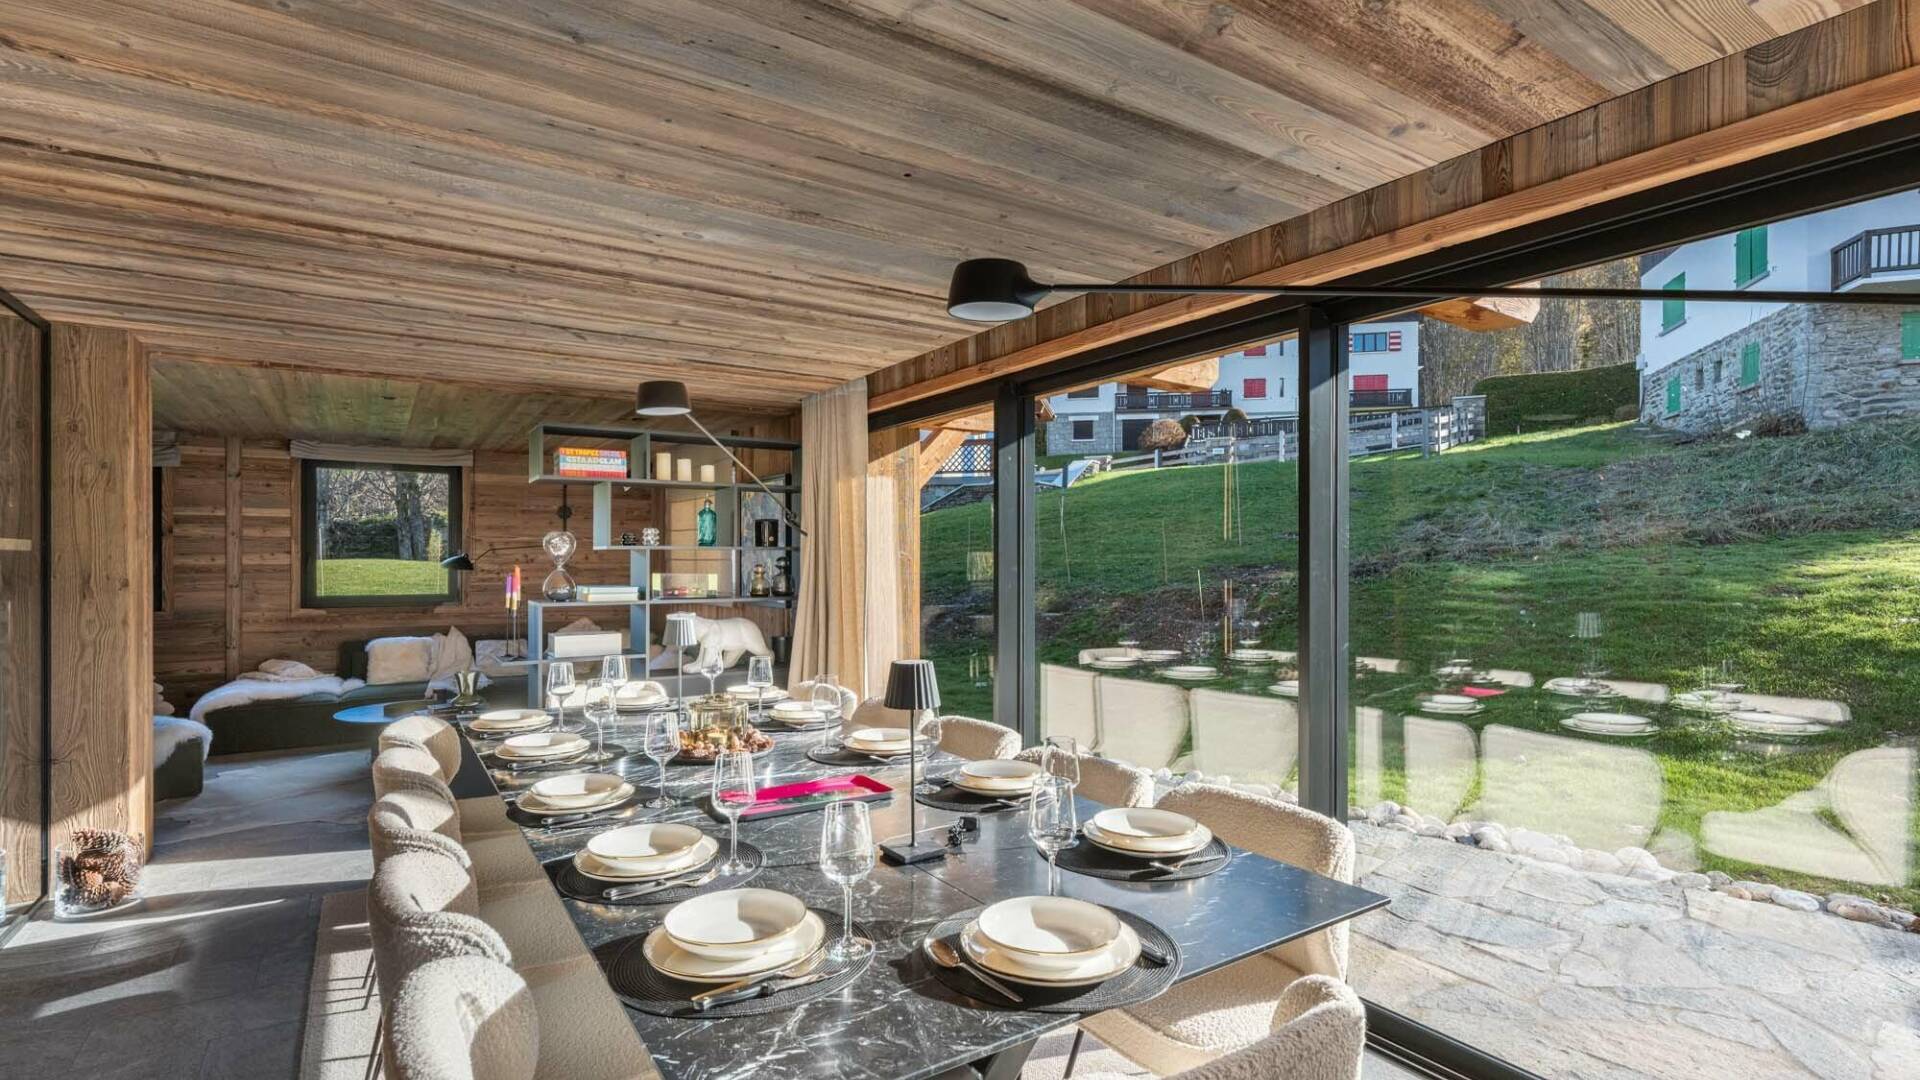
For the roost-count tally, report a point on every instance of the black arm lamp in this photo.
(668, 397)
(460, 560)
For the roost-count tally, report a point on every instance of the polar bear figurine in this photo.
(731, 638)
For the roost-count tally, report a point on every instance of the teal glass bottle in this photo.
(708, 524)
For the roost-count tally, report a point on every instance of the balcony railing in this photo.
(1876, 251)
(1163, 401)
(1380, 399)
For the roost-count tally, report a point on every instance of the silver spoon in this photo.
(944, 954)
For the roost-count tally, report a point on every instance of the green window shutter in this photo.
(1750, 364)
(1910, 335)
(1749, 254)
(1673, 312)
(1673, 395)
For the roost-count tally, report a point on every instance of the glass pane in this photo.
(1636, 764)
(380, 532)
(1166, 587)
(956, 573)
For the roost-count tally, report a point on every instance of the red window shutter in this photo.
(1257, 350)
(1369, 382)
(1393, 341)
(1253, 388)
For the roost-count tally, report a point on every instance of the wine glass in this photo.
(926, 726)
(846, 857)
(711, 664)
(599, 710)
(560, 686)
(826, 702)
(734, 786)
(1060, 756)
(760, 677)
(660, 738)
(1052, 821)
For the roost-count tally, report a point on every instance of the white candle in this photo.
(706, 474)
(685, 466)
(663, 466)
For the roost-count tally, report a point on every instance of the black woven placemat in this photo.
(1094, 861)
(574, 885)
(962, 801)
(645, 988)
(528, 819)
(1144, 981)
(840, 755)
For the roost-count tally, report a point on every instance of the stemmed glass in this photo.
(599, 710)
(734, 786)
(1052, 821)
(614, 674)
(826, 702)
(926, 725)
(711, 664)
(560, 686)
(660, 738)
(1060, 757)
(760, 677)
(846, 857)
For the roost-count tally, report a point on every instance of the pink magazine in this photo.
(812, 795)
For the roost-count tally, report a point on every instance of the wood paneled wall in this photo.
(20, 602)
(102, 588)
(236, 590)
(1845, 72)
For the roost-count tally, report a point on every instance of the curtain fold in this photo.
(378, 455)
(830, 620)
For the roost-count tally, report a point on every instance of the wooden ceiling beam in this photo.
(936, 447)
(1485, 313)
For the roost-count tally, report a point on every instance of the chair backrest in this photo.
(408, 768)
(429, 733)
(422, 906)
(1286, 833)
(1245, 736)
(414, 820)
(1108, 652)
(1141, 723)
(849, 701)
(1319, 1033)
(1106, 782)
(1069, 704)
(873, 712)
(464, 1018)
(977, 740)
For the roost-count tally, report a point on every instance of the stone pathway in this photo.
(1581, 975)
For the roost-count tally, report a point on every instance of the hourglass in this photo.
(558, 586)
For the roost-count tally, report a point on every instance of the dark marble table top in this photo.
(898, 1022)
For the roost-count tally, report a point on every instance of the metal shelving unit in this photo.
(729, 498)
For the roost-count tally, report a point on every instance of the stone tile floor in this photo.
(209, 977)
(1583, 975)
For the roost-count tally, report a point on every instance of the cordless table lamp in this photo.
(911, 687)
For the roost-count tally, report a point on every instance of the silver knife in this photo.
(771, 986)
(628, 892)
(570, 822)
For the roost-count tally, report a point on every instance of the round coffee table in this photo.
(384, 712)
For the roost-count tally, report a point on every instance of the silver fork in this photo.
(691, 881)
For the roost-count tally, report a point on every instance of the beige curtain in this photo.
(830, 630)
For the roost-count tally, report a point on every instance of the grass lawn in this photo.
(1797, 559)
(379, 577)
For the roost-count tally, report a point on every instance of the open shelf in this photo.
(694, 547)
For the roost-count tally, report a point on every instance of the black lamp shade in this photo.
(993, 290)
(662, 397)
(911, 685)
(459, 560)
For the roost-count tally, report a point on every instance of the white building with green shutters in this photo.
(1718, 367)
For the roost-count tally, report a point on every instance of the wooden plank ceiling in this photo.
(761, 196)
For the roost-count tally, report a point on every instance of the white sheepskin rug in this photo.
(172, 732)
(246, 691)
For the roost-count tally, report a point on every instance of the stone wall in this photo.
(1106, 434)
(1827, 364)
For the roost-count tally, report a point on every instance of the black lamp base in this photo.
(900, 853)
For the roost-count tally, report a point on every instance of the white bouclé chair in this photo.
(977, 740)
(1316, 1031)
(464, 1018)
(435, 736)
(422, 906)
(849, 701)
(408, 768)
(1108, 783)
(1231, 1008)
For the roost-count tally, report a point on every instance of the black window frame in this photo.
(1073, 432)
(1085, 393)
(310, 540)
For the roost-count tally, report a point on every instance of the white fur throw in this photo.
(287, 669)
(731, 638)
(490, 656)
(399, 660)
(170, 733)
(248, 691)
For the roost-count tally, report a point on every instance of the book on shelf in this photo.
(604, 464)
(629, 593)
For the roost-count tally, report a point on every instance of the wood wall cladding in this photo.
(762, 196)
(21, 690)
(101, 712)
(260, 618)
(1850, 70)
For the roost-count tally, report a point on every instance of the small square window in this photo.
(375, 534)
(1253, 388)
(1719, 371)
(1082, 431)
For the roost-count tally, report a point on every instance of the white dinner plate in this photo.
(1606, 723)
(735, 924)
(803, 718)
(1145, 827)
(772, 693)
(638, 696)
(1250, 656)
(1105, 843)
(575, 793)
(1285, 688)
(510, 720)
(649, 844)
(1051, 934)
(1448, 700)
(1116, 663)
(1097, 968)
(1159, 656)
(539, 745)
(881, 740)
(666, 954)
(1766, 723)
(1569, 687)
(1195, 672)
(598, 869)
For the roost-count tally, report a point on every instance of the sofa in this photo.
(308, 721)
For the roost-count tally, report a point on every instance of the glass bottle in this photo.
(759, 587)
(708, 524)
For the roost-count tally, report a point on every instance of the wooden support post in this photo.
(102, 588)
(21, 545)
(234, 525)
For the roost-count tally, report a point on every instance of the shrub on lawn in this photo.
(1163, 435)
(1551, 399)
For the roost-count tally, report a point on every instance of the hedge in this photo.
(1549, 399)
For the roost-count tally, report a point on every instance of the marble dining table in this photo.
(897, 1022)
